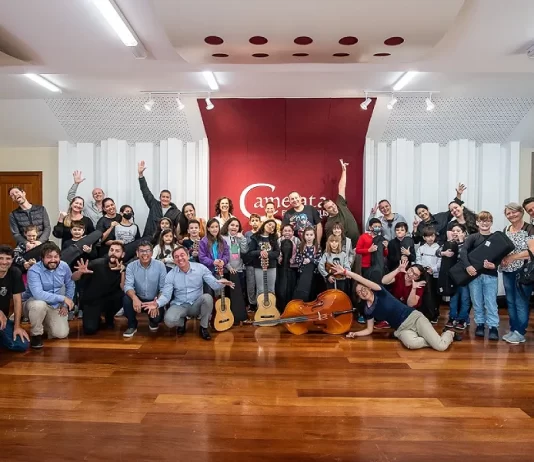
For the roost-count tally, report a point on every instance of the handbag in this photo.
(525, 276)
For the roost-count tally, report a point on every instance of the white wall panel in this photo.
(113, 167)
(429, 174)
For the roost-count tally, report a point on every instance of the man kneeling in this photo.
(412, 328)
(44, 303)
(102, 284)
(183, 288)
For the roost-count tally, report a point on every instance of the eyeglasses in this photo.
(145, 251)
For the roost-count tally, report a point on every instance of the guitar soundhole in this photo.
(223, 321)
(267, 316)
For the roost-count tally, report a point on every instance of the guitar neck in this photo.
(265, 288)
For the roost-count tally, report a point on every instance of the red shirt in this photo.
(362, 248)
(401, 291)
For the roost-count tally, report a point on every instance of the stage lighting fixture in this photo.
(181, 105)
(149, 104)
(209, 104)
(366, 103)
(429, 104)
(391, 103)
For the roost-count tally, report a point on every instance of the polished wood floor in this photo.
(266, 395)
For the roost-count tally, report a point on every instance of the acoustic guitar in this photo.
(267, 310)
(224, 318)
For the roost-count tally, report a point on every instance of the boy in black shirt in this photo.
(400, 248)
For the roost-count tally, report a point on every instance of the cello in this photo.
(331, 312)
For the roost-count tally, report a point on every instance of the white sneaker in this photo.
(119, 313)
(513, 338)
(520, 337)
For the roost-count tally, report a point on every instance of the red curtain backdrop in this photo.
(267, 148)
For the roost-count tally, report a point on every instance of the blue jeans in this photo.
(517, 299)
(483, 292)
(6, 339)
(459, 304)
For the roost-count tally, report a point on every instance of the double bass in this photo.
(331, 312)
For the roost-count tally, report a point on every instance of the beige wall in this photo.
(36, 159)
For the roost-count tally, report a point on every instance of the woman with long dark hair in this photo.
(224, 207)
(463, 216)
(189, 213)
(106, 224)
(213, 251)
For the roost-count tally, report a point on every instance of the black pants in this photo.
(93, 310)
(131, 315)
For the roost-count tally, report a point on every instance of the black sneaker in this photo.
(434, 321)
(480, 330)
(450, 323)
(493, 334)
(460, 325)
(36, 341)
(456, 337)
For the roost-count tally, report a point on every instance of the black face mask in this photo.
(128, 216)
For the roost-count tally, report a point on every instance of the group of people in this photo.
(181, 262)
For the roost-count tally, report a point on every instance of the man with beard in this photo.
(25, 215)
(11, 288)
(92, 208)
(44, 303)
(338, 211)
(145, 279)
(102, 285)
(301, 216)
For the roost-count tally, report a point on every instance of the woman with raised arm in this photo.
(411, 327)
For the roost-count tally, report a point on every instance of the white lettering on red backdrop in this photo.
(281, 203)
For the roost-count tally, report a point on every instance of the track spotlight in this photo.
(181, 105)
(429, 104)
(391, 103)
(209, 104)
(366, 103)
(149, 104)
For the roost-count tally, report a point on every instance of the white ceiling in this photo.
(463, 48)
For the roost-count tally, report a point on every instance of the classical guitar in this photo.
(267, 310)
(224, 318)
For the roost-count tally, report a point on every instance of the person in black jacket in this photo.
(485, 287)
(400, 247)
(438, 221)
(157, 208)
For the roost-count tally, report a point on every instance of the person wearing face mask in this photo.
(372, 246)
(439, 221)
(92, 209)
(388, 219)
(127, 233)
(157, 208)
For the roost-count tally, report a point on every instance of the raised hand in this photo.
(141, 167)
(374, 209)
(403, 265)
(415, 223)
(343, 165)
(418, 284)
(61, 217)
(78, 177)
(460, 189)
(83, 267)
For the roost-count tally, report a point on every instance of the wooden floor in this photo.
(265, 395)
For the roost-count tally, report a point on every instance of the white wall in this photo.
(32, 160)
(181, 168)
(408, 175)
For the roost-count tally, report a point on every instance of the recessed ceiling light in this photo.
(43, 82)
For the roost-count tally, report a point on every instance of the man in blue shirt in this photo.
(145, 279)
(44, 302)
(183, 288)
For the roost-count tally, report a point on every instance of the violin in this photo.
(331, 312)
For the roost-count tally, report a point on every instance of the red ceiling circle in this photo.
(219, 55)
(393, 41)
(382, 54)
(341, 55)
(214, 40)
(303, 40)
(258, 40)
(260, 55)
(301, 54)
(349, 40)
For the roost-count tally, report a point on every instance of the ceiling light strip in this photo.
(43, 82)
